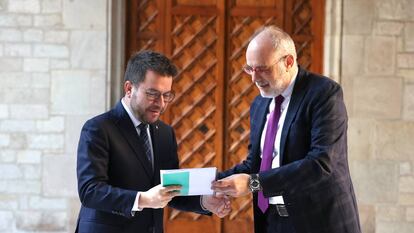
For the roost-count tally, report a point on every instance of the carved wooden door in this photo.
(207, 40)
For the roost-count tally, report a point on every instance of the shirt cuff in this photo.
(135, 207)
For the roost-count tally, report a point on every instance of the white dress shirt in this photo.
(136, 123)
(287, 93)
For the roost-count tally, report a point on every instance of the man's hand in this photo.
(236, 185)
(218, 204)
(158, 196)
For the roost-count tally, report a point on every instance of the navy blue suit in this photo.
(314, 177)
(112, 167)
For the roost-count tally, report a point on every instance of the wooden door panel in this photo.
(197, 113)
(207, 41)
(304, 22)
(244, 18)
(144, 22)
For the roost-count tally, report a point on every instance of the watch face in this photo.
(255, 184)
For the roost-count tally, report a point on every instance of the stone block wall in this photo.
(378, 79)
(53, 76)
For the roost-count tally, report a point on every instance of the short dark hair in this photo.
(145, 60)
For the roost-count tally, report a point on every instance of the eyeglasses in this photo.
(153, 95)
(261, 69)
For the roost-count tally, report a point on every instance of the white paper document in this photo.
(193, 181)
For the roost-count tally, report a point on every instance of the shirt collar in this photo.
(288, 91)
(134, 120)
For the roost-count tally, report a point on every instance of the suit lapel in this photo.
(297, 96)
(131, 136)
(155, 145)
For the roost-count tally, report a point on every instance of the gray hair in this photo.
(281, 41)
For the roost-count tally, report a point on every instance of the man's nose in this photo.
(160, 101)
(255, 76)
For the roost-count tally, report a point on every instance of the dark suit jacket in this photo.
(112, 167)
(314, 176)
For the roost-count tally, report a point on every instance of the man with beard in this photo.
(121, 152)
(297, 166)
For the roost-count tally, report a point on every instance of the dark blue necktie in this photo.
(143, 135)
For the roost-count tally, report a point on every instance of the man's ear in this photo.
(290, 61)
(128, 88)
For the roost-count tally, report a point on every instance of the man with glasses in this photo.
(297, 166)
(121, 152)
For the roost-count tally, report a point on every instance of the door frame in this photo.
(332, 45)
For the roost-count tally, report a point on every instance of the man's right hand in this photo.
(158, 196)
(236, 185)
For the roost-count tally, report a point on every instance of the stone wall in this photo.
(53, 71)
(378, 78)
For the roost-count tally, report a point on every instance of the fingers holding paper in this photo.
(218, 204)
(158, 196)
(236, 185)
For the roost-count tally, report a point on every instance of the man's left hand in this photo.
(218, 204)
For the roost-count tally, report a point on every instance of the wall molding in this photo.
(116, 50)
(333, 39)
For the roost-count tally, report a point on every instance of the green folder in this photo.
(178, 178)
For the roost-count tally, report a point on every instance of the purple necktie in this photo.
(268, 147)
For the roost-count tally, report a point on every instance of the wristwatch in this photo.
(254, 183)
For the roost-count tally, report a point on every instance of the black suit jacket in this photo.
(314, 177)
(112, 167)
